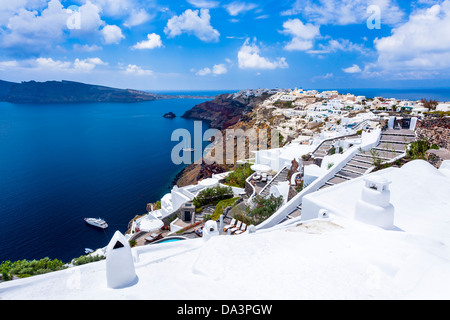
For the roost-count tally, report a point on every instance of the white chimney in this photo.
(374, 206)
(119, 263)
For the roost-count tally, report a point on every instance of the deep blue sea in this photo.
(60, 163)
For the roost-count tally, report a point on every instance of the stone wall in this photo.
(436, 130)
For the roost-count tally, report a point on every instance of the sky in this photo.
(227, 45)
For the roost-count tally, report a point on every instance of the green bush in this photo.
(264, 208)
(417, 149)
(87, 259)
(26, 268)
(238, 176)
(221, 206)
(212, 196)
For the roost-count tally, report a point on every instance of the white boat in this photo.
(187, 148)
(97, 222)
(87, 250)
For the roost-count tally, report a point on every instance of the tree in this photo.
(430, 104)
(264, 207)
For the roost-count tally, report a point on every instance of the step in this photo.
(363, 159)
(357, 170)
(294, 214)
(403, 132)
(337, 180)
(348, 174)
(359, 164)
(396, 139)
(386, 154)
(326, 186)
(383, 155)
(397, 147)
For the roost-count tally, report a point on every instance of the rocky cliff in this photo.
(69, 92)
(224, 111)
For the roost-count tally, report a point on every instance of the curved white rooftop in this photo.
(422, 167)
(332, 258)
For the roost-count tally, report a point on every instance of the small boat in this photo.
(87, 250)
(97, 222)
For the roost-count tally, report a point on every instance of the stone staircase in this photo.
(326, 146)
(392, 144)
(280, 177)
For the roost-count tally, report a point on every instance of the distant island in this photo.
(169, 115)
(73, 92)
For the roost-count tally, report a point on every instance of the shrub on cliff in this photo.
(238, 176)
(212, 196)
(26, 268)
(263, 209)
(417, 149)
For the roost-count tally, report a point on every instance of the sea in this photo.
(61, 163)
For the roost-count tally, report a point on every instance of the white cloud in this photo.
(203, 72)
(37, 29)
(137, 17)
(90, 20)
(153, 41)
(87, 64)
(344, 12)
(49, 63)
(112, 34)
(86, 47)
(192, 22)
(235, 8)
(42, 64)
(302, 34)
(353, 69)
(205, 4)
(422, 44)
(136, 70)
(249, 58)
(30, 32)
(217, 69)
(339, 45)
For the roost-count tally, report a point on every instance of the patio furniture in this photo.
(231, 225)
(257, 176)
(238, 226)
(199, 232)
(242, 229)
(264, 177)
(153, 237)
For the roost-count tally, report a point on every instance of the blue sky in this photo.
(216, 44)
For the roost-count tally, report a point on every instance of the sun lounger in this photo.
(231, 225)
(238, 226)
(264, 177)
(153, 237)
(256, 177)
(242, 229)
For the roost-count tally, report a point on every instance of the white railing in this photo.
(269, 183)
